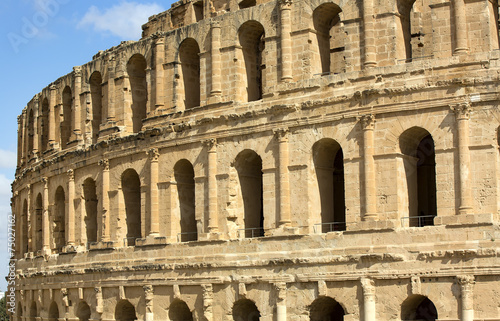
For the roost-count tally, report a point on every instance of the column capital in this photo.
(45, 181)
(64, 294)
(368, 286)
(28, 187)
(286, 4)
(281, 134)
(215, 24)
(466, 282)
(77, 71)
(211, 144)
(281, 289)
(71, 174)
(104, 163)
(53, 87)
(367, 121)
(153, 154)
(462, 110)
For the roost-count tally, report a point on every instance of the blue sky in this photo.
(40, 41)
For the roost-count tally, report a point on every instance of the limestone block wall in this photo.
(302, 160)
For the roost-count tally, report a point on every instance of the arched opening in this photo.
(31, 132)
(420, 168)
(53, 312)
(326, 309)
(245, 310)
(90, 196)
(189, 56)
(96, 97)
(58, 221)
(136, 69)
(125, 311)
(418, 307)
(67, 111)
(37, 225)
(179, 311)
(249, 167)
(251, 35)
(131, 188)
(330, 37)
(33, 311)
(329, 167)
(83, 312)
(45, 125)
(26, 236)
(184, 177)
(247, 4)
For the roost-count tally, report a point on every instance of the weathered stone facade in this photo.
(284, 160)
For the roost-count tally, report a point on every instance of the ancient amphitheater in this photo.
(281, 160)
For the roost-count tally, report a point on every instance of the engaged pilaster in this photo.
(286, 40)
(160, 86)
(461, 38)
(154, 155)
(45, 217)
(148, 298)
(466, 287)
(368, 299)
(105, 200)
(31, 223)
(284, 188)
(71, 208)
(208, 301)
(213, 220)
(36, 131)
(370, 188)
(281, 301)
(369, 34)
(52, 117)
(76, 104)
(216, 58)
(462, 113)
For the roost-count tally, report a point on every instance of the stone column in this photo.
(99, 304)
(370, 187)
(71, 209)
(213, 225)
(286, 40)
(281, 301)
(466, 287)
(368, 299)
(36, 139)
(284, 187)
(461, 37)
(216, 58)
(208, 301)
(148, 298)
(462, 112)
(160, 86)
(24, 143)
(111, 89)
(105, 237)
(369, 34)
(52, 116)
(45, 217)
(154, 228)
(76, 103)
(31, 222)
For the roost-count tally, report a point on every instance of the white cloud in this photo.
(123, 20)
(5, 191)
(8, 159)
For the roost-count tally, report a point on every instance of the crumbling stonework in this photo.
(282, 160)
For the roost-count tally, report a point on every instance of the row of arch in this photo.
(331, 46)
(324, 308)
(328, 161)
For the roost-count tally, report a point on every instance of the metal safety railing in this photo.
(418, 221)
(251, 232)
(329, 227)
